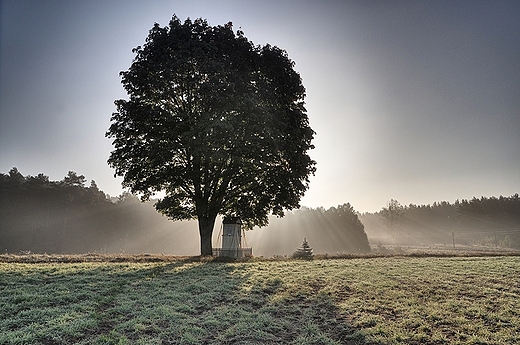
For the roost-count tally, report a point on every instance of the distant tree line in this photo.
(334, 230)
(67, 216)
(489, 221)
(71, 216)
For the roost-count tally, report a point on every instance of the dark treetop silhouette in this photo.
(216, 123)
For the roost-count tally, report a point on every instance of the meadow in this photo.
(378, 300)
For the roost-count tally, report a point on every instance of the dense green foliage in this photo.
(216, 123)
(359, 301)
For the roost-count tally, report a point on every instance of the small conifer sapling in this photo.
(304, 252)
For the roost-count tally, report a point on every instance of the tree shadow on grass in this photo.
(301, 313)
(181, 302)
(227, 303)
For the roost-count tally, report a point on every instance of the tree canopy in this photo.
(216, 123)
(393, 213)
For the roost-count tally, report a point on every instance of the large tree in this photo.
(216, 123)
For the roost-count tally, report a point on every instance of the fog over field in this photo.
(67, 216)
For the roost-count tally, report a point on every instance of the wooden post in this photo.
(453, 238)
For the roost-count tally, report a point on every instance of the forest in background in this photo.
(68, 216)
(484, 221)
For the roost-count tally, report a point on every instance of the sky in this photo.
(417, 101)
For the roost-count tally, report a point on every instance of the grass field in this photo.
(386, 300)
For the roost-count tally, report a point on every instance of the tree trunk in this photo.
(206, 225)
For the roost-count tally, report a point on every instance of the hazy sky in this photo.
(417, 101)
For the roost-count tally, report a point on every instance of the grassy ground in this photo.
(382, 300)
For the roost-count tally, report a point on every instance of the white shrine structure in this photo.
(232, 240)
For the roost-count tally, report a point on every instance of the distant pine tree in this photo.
(304, 252)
